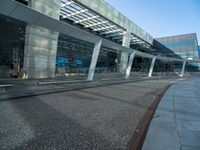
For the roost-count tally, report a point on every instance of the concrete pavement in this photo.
(30, 87)
(97, 118)
(176, 123)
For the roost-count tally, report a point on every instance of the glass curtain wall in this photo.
(107, 61)
(140, 66)
(183, 45)
(12, 37)
(74, 57)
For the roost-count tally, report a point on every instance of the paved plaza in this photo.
(92, 118)
(104, 117)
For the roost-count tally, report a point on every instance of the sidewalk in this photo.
(176, 123)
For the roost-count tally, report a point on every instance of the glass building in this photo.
(42, 39)
(199, 50)
(73, 55)
(186, 45)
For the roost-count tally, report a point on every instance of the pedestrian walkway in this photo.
(176, 123)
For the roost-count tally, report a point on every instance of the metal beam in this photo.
(146, 55)
(96, 24)
(115, 35)
(103, 28)
(117, 38)
(75, 13)
(86, 19)
(66, 4)
(112, 31)
(169, 58)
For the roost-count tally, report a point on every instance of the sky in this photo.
(162, 17)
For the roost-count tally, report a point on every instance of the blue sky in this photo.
(162, 17)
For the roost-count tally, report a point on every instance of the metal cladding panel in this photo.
(25, 13)
(116, 46)
(75, 32)
(138, 53)
(7, 7)
(47, 22)
(104, 9)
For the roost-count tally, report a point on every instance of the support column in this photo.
(94, 59)
(152, 66)
(128, 70)
(124, 55)
(183, 68)
(41, 43)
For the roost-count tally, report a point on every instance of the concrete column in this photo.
(128, 70)
(152, 66)
(94, 59)
(41, 43)
(183, 68)
(124, 55)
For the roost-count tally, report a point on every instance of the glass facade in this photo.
(141, 64)
(73, 55)
(182, 45)
(179, 43)
(199, 50)
(12, 45)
